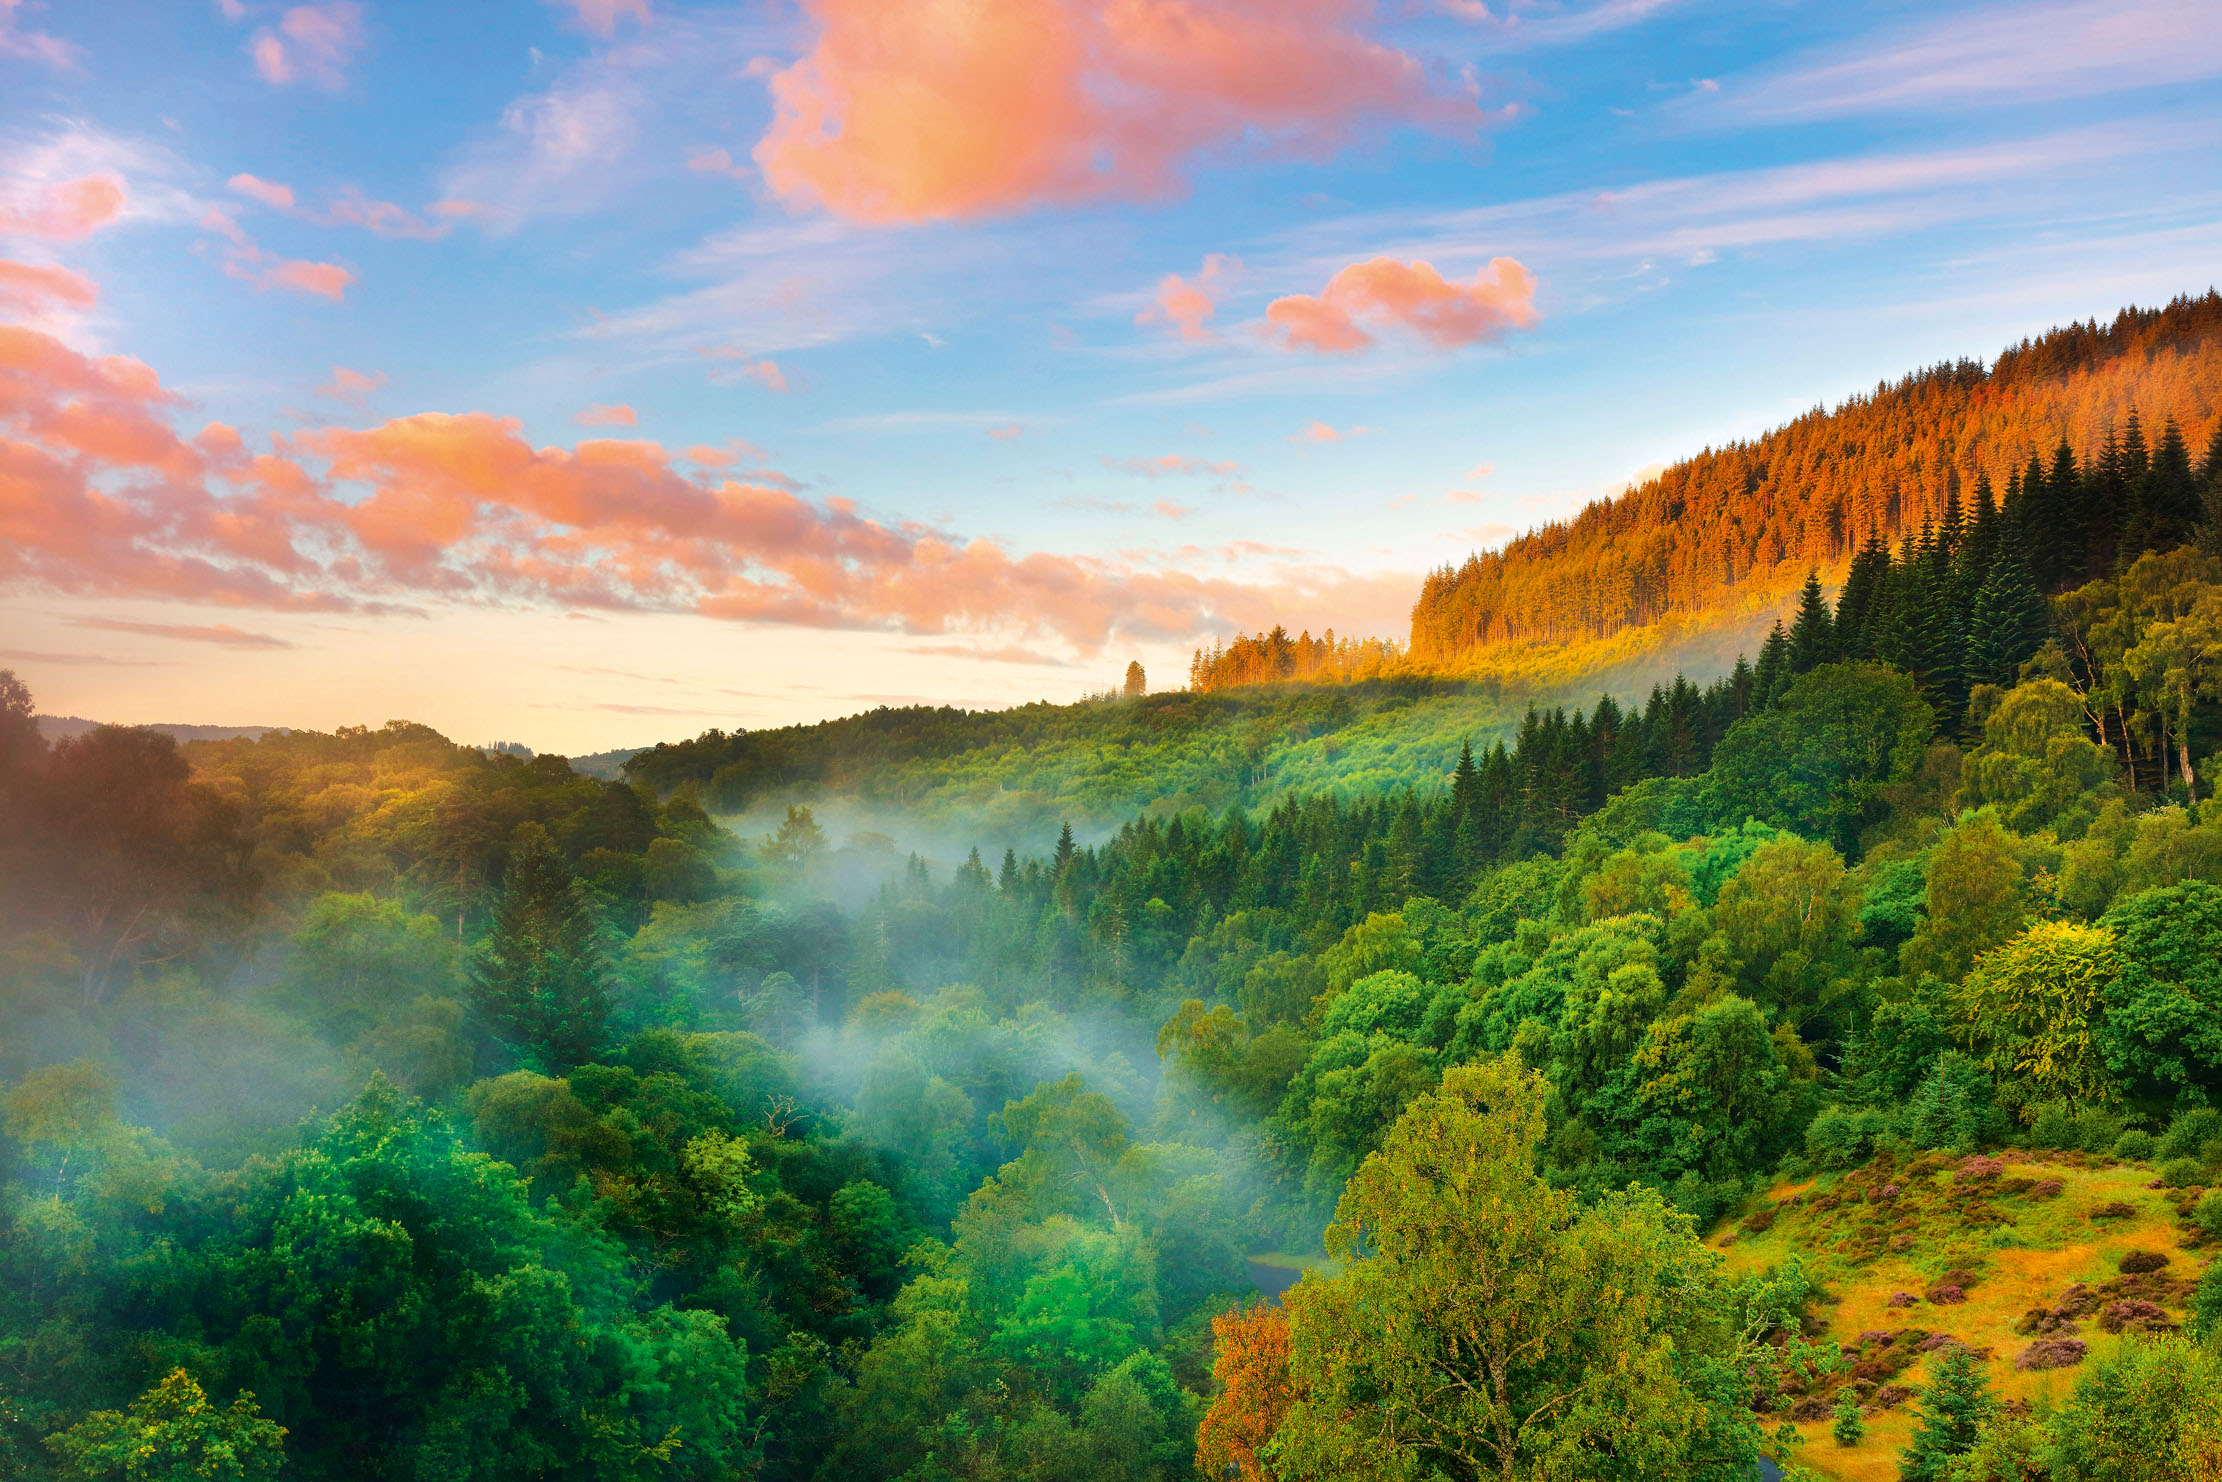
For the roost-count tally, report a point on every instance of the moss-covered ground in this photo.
(1883, 1240)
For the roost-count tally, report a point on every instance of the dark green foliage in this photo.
(1816, 763)
(541, 984)
(1953, 1408)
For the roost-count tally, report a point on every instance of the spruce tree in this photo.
(2061, 549)
(1857, 604)
(1953, 1409)
(2165, 508)
(1772, 676)
(541, 983)
(1813, 635)
(1007, 880)
(1065, 851)
(1849, 1428)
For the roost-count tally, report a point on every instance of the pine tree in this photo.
(1953, 1409)
(1772, 676)
(1007, 880)
(1065, 851)
(541, 983)
(2165, 507)
(2062, 548)
(1850, 1428)
(1857, 604)
(1812, 636)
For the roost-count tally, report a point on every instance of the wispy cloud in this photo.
(33, 656)
(2020, 52)
(221, 634)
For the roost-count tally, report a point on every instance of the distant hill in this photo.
(1732, 531)
(61, 727)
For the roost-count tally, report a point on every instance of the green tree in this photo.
(1953, 1408)
(1813, 638)
(1137, 683)
(1849, 1428)
(172, 1433)
(2035, 1005)
(1487, 1325)
(1816, 763)
(2162, 1032)
(358, 961)
(541, 983)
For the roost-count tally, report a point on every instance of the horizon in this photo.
(573, 371)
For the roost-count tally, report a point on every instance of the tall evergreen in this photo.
(1863, 607)
(1919, 637)
(541, 983)
(2009, 622)
(1065, 851)
(1953, 1409)
(1813, 635)
(1772, 676)
(2061, 550)
(2165, 507)
(1979, 551)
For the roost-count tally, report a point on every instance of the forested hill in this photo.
(1737, 527)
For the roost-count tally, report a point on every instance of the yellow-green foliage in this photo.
(2035, 1003)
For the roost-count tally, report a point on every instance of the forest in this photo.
(373, 1106)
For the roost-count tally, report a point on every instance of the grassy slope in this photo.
(2028, 1260)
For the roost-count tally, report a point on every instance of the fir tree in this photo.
(1065, 851)
(1849, 1428)
(1007, 880)
(1772, 676)
(2165, 507)
(2061, 549)
(1953, 1409)
(541, 983)
(1812, 636)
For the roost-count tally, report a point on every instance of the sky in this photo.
(586, 373)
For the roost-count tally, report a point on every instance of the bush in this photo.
(2134, 1146)
(2191, 1132)
(2097, 1129)
(2052, 1353)
(2138, 1262)
(2116, 1210)
(2183, 1173)
(2207, 1214)
(2054, 1127)
(1844, 1137)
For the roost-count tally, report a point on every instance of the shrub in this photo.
(2134, 1315)
(1842, 1137)
(1849, 1428)
(1812, 1407)
(2114, 1211)
(2054, 1127)
(2191, 1131)
(1890, 1397)
(2207, 1214)
(1947, 1296)
(2137, 1262)
(2097, 1129)
(2007, 1188)
(1760, 1220)
(2183, 1173)
(2052, 1353)
(1977, 1170)
(2134, 1146)
(2050, 1188)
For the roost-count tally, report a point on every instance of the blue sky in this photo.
(834, 336)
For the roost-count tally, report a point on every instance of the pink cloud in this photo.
(597, 415)
(601, 16)
(712, 160)
(43, 47)
(913, 110)
(1010, 432)
(310, 43)
(1412, 296)
(277, 197)
(765, 373)
(352, 386)
(1169, 465)
(1321, 432)
(100, 495)
(1189, 304)
(65, 212)
(383, 218)
(250, 264)
(35, 288)
(220, 633)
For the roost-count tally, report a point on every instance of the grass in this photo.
(2025, 1252)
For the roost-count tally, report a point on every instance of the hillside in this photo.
(1733, 529)
(2028, 1258)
